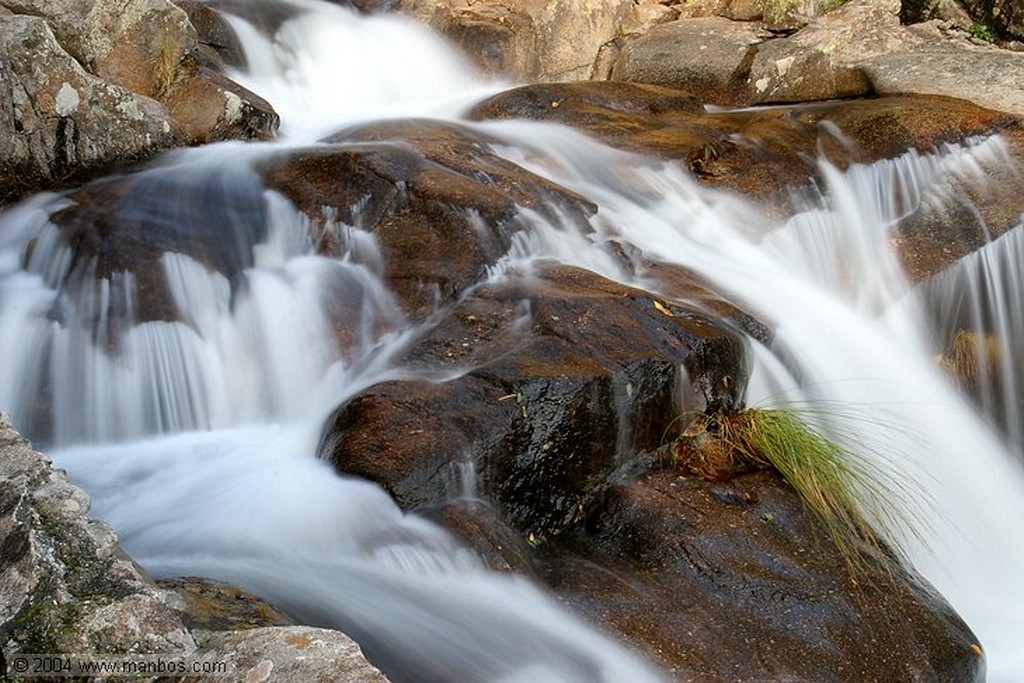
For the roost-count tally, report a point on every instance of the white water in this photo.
(196, 439)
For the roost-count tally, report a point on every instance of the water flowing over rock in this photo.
(67, 587)
(572, 375)
(440, 203)
(770, 152)
(277, 366)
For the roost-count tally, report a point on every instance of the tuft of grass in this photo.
(982, 32)
(856, 501)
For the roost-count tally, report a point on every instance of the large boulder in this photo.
(568, 375)
(137, 44)
(60, 121)
(65, 585)
(734, 580)
(87, 86)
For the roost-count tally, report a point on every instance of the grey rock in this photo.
(989, 77)
(65, 585)
(137, 44)
(57, 119)
(292, 654)
(707, 57)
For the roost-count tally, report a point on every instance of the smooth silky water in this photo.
(196, 439)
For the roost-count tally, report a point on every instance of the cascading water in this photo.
(195, 436)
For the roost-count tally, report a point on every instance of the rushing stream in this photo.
(196, 439)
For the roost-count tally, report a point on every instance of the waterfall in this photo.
(850, 335)
(975, 309)
(195, 433)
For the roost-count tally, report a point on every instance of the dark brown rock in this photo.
(125, 224)
(441, 205)
(735, 581)
(217, 40)
(572, 375)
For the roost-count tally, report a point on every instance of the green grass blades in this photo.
(856, 501)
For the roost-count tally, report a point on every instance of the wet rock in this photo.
(482, 528)
(735, 581)
(65, 585)
(58, 120)
(756, 152)
(440, 202)
(567, 375)
(124, 225)
(295, 654)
